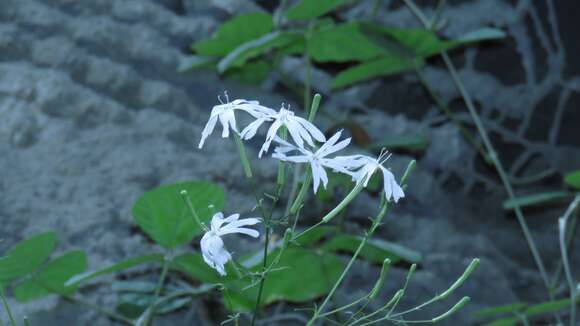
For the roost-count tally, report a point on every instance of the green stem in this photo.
(6, 306)
(243, 156)
(493, 156)
(376, 222)
(450, 114)
(166, 263)
(563, 249)
(108, 313)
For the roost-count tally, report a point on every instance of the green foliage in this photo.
(309, 9)
(253, 48)
(375, 251)
(411, 142)
(51, 277)
(235, 32)
(136, 296)
(323, 270)
(165, 217)
(383, 66)
(26, 256)
(535, 199)
(118, 267)
(572, 179)
(407, 48)
(343, 43)
(252, 72)
(240, 294)
(522, 309)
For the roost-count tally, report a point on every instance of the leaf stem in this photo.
(492, 155)
(376, 222)
(6, 306)
(563, 248)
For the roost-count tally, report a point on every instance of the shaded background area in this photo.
(93, 112)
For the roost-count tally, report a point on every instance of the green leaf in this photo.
(165, 217)
(192, 264)
(483, 34)
(235, 32)
(342, 43)
(384, 66)
(288, 282)
(253, 72)
(410, 142)
(134, 286)
(309, 9)
(375, 251)
(535, 199)
(51, 277)
(422, 43)
(194, 62)
(253, 48)
(572, 179)
(500, 310)
(531, 311)
(26, 256)
(131, 262)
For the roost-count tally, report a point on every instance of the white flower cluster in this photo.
(303, 133)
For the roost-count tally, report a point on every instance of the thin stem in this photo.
(6, 306)
(243, 156)
(492, 154)
(443, 107)
(563, 248)
(166, 262)
(189, 204)
(376, 222)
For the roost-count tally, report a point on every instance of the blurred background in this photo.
(102, 100)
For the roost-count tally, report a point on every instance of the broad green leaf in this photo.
(253, 72)
(343, 43)
(235, 32)
(26, 256)
(288, 282)
(134, 286)
(423, 43)
(572, 179)
(192, 264)
(51, 277)
(253, 48)
(411, 142)
(375, 251)
(384, 66)
(500, 310)
(535, 199)
(309, 9)
(194, 62)
(131, 262)
(164, 216)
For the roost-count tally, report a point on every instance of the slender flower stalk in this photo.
(376, 222)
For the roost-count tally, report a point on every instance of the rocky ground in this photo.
(93, 113)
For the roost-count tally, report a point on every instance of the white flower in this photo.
(299, 128)
(212, 246)
(363, 167)
(225, 113)
(317, 160)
